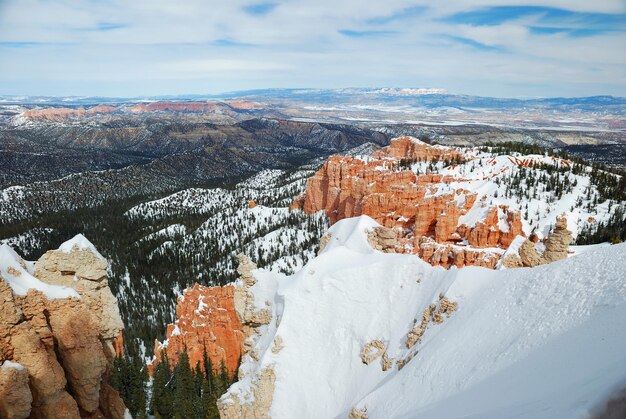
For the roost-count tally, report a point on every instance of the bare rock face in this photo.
(434, 313)
(15, 396)
(205, 318)
(529, 255)
(416, 150)
(512, 261)
(556, 247)
(413, 204)
(326, 238)
(371, 351)
(263, 391)
(85, 271)
(230, 405)
(356, 413)
(62, 336)
(248, 313)
(383, 239)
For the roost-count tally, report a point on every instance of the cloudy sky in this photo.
(521, 48)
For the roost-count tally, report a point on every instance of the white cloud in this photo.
(159, 46)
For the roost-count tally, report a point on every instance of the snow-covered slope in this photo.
(545, 342)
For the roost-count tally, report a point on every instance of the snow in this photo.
(11, 364)
(21, 280)
(543, 342)
(79, 242)
(489, 176)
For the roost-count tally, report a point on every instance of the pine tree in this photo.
(161, 405)
(184, 389)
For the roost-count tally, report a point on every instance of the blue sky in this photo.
(158, 47)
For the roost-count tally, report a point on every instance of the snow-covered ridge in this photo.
(543, 342)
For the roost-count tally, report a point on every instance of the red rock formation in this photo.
(412, 149)
(395, 197)
(204, 317)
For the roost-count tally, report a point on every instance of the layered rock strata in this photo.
(58, 326)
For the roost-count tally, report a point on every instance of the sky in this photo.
(130, 48)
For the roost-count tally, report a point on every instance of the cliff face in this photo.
(427, 211)
(59, 331)
(205, 318)
(255, 320)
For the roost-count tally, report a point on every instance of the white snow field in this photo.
(545, 342)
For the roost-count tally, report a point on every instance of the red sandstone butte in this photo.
(205, 316)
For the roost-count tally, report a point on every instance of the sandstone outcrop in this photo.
(205, 318)
(432, 314)
(415, 150)
(371, 351)
(326, 238)
(15, 395)
(230, 405)
(383, 239)
(427, 214)
(356, 413)
(557, 243)
(78, 265)
(556, 248)
(529, 257)
(60, 332)
(263, 391)
(248, 313)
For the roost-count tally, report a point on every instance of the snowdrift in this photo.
(545, 342)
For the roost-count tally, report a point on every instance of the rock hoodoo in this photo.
(205, 318)
(434, 214)
(58, 326)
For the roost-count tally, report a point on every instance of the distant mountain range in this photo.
(430, 97)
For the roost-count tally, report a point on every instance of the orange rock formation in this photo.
(205, 317)
(396, 197)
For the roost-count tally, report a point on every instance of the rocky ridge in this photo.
(60, 330)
